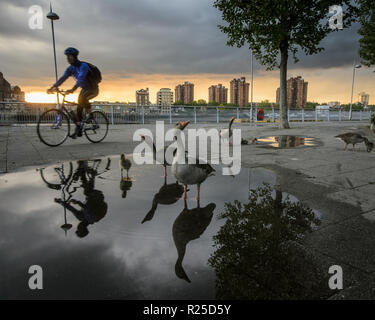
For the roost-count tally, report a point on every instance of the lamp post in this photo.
(53, 16)
(252, 78)
(355, 66)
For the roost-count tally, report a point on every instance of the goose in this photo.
(168, 194)
(160, 154)
(369, 144)
(372, 126)
(125, 164)
(244, 141)
(351, 138)
(227, 132)
(189, 173)
(254, 141)
(189, 225)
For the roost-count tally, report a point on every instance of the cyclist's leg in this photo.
(91, 93)
(84, 103)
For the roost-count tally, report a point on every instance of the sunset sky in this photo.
(156, 44)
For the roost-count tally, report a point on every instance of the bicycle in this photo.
(53, 126)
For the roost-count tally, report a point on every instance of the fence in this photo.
(124, 114)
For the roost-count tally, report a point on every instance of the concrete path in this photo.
(338, 184)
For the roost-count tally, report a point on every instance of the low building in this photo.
(142, 97)
(364, 99)
(334, 104)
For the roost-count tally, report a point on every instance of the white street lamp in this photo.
(355, 66)
(53, 16)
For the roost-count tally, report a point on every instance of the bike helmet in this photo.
(72, 51)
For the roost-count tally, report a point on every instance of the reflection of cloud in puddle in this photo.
(136, 259)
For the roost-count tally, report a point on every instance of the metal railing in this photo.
(27, 113)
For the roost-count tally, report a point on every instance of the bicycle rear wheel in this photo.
(57, 176)
(53, 127)
(96, 127)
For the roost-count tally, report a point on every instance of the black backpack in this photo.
(94, 75)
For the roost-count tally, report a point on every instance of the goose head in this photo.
(180, 272)
(181, 125)
(231, 121)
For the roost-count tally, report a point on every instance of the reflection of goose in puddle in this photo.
(168, 194)
(188, 226)
(125, 183)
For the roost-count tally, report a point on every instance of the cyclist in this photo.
(89, 89)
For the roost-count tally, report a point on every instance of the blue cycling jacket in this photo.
(79, 71)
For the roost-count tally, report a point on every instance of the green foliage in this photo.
(258, 250)
(367, 32)
(202, 102)
(268, 26)
(311, 105)
(265, 104)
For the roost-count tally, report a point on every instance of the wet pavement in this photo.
(110, 253)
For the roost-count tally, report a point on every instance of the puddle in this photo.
(285, 141)
(97, 233)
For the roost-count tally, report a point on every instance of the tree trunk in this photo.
(284, 124)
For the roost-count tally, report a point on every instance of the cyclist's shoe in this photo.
(77, 133)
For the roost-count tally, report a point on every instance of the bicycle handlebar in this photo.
(57, 90)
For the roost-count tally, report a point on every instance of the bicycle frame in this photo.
(93, 124)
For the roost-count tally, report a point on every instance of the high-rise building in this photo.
(142, 97)
(239, 92)
(218, 94)
(5, 89)
(364, 98)
(164, 97)
(184, 92)
(296, 93)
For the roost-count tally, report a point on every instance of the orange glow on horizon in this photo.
(324, 85)
(43, 97)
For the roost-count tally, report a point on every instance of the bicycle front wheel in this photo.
(53, 127)
(96, 127)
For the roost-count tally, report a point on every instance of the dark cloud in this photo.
(147, 36)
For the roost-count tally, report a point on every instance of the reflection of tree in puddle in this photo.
(259, 253)
(289, 141)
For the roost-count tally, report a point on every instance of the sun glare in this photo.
(43, 97)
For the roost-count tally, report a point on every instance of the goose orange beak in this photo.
(184, 124)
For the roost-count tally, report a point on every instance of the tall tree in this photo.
(367, 32)
(274, 29)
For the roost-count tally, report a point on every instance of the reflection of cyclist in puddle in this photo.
(94, 208)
